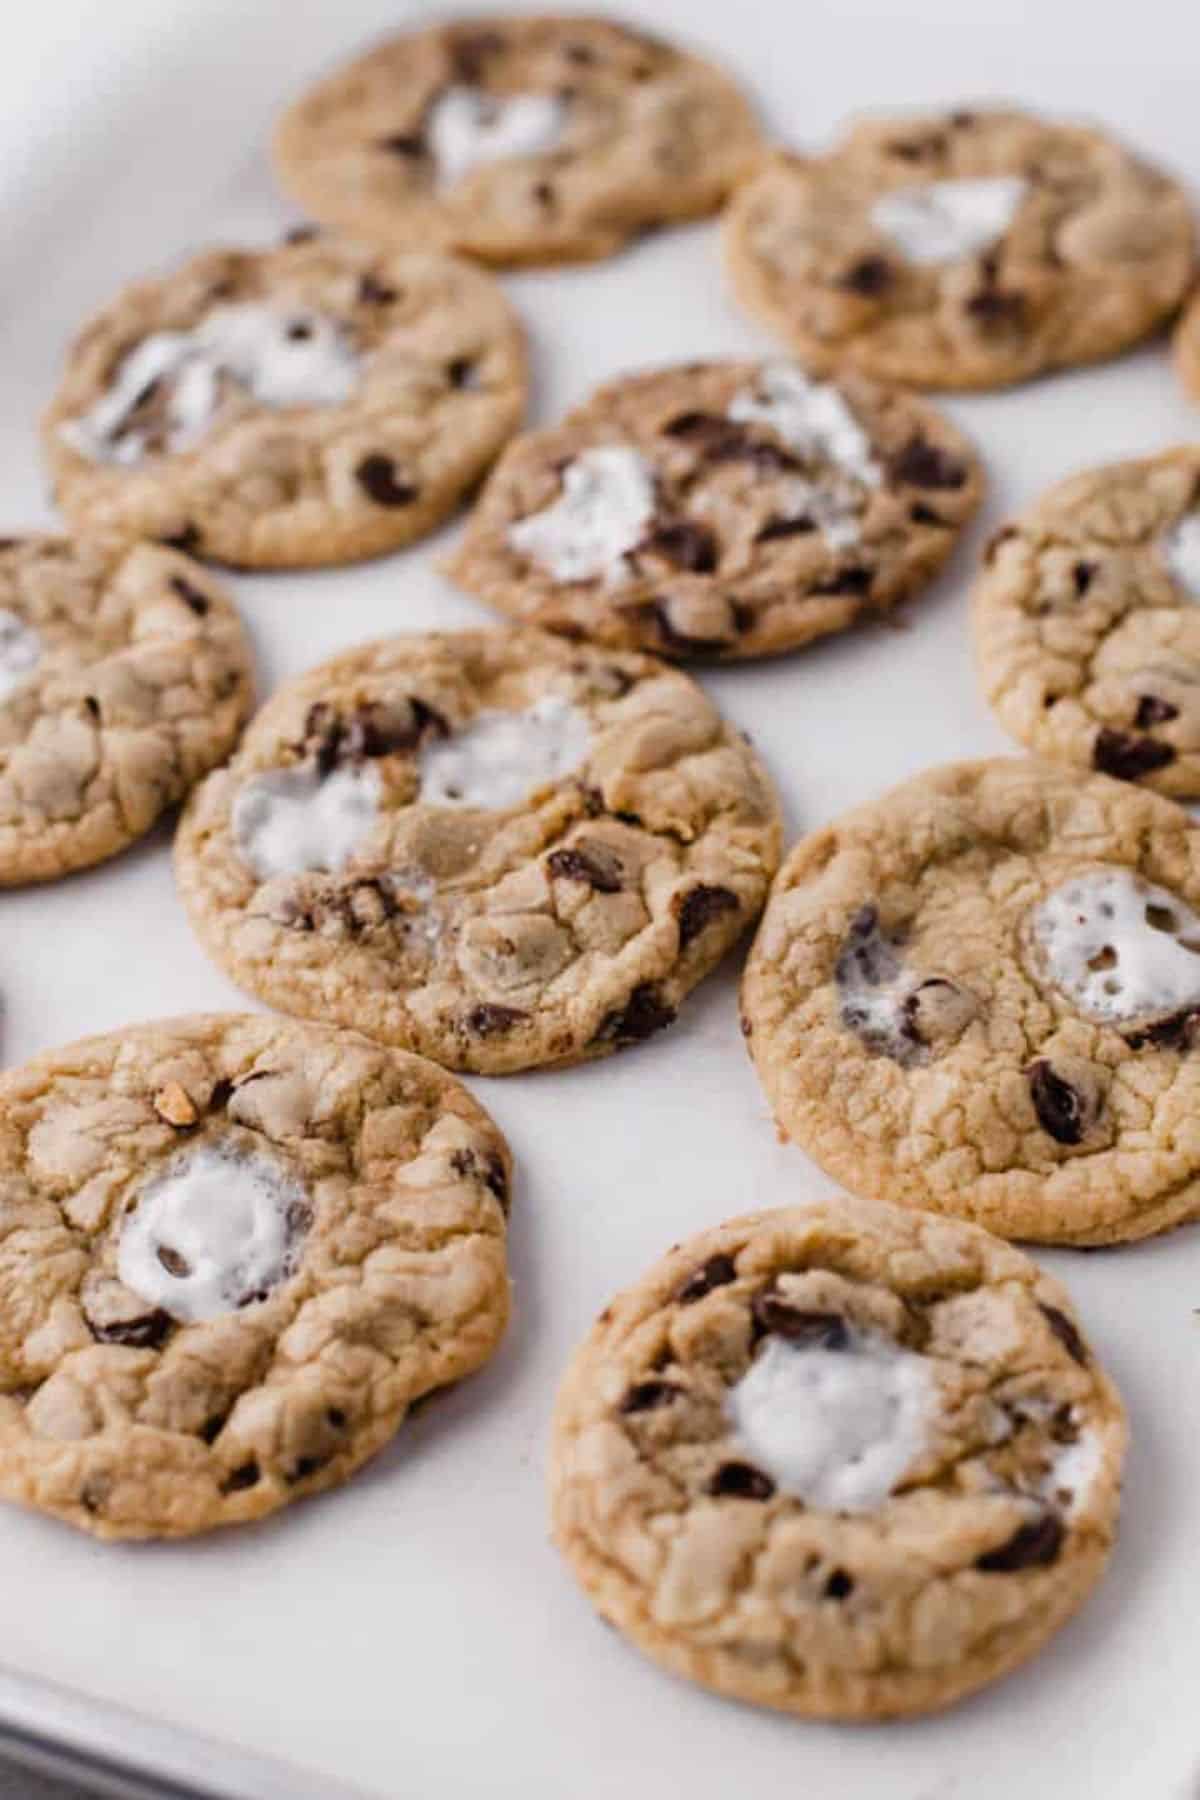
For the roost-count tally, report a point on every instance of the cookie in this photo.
(236, 1250)
(961, 250)
(1087, 622)
(496, 848)
(1187, 346)
(721, 510)
(125, 676)
(308, 404)
(517, 140)
(981, 994)
(840, 1459)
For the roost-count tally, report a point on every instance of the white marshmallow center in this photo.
(942, 221)
(20, 652)
(1181, 548)
(502, 758)
(1118, 947)
(467, 129)
(602, 513)
(810, 416)
(289, 820)
(836, 1427)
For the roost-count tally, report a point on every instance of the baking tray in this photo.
(416, 1628)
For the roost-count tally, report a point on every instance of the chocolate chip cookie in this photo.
(308, 404)
(235, 1251)
(981, 994)
(721, 510)
(961, 250)
(125, 675)
(1187, 346)
(1087, 622)
(517, 140)
(496, 848)
(841, 1459)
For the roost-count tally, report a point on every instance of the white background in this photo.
(416, 1630)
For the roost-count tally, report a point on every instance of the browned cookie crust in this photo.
(1187, 346)
(750, 1580)
(560, 918)
(129, 1417)
(1087, 627)
(1097, 254)
(638, 134)
(907, 1021)
(758, 541)
(124, 676)
(429, 379)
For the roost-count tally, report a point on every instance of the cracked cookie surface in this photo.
(494, 847)
(125, 675)
(1087, 622)
(840, 1459)
(981, 994)
(961, 250)
(720, 510)
(233, 1251)
(313, 403)
(517, 140)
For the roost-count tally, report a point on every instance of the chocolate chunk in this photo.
(187, 538)
(246, 1475)
(335, 1418)
(1081, 575)
(404, 143)
(700, 428)
(798, 1324)
(724, 440)
(146, 1332)
(301, 234)
(1153, 711)
(920, 514)
(777, 527)
(647, 1396)
(699, 907)
(680, 643)
(490, 1174)
(222, 1090)
(191, 595)
(1060, 1109)
(1033, 1545)
(303, 1467)
(1176, 1032)
(212, 1427)
(172, 1262)
(299, 331)
(92, 706)
(587, 867)
(717, 1272)
(376, 475)
(543, 193)
(997, 308)
(373, 292)
(741, 1481)
(855, 580)
(839, 1585)
(644, 1013)
(1127, 757)
(487, 1020)
(687, 544)
(1066, 1333)
(94, 1493)
(869, 276)
(460, 373)
(922, 464)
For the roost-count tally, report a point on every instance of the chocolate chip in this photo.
(187, 538)
(644, 1013)
(299, 331)
(335, 1418)
(741, 1481)
(681, 643)
(699, 907)
(212, 1428)
(1153, 711)
(404, 143)
(997, 308)
(922, 464)
(839, 1585)
(724, 440)
(93, 706)
(798, 1324)
(647, 1396)
(543, 193)
(191, 595)
(1176, 1032)
(1127, 757)
(222, 1090)
(172, 1262)
(373, 292)
(1060, 1109)
(1081, 575)
(94, 1493)
(869, 276)
(301, 234)
(920, 514)
(487, 1020)
(699, 428)
(1032, 1545)
(491, 1174)
(303, 1467)
(777, 527)
(718, 1271)
(585, 866)
(1066, 1333)
(146, 1332)
(460, 373)
(686, 543)
(855, 580)
(376, 475)
(246, 1475)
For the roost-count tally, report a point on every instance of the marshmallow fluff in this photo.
(810, 416)
(1118, 947)
(1181, 548)
(20, 652)
(166, 392)
(943, 221)
(837, 1428)
(215, 1231)
(603, 512)
(467, 129)
(501, 758)
(288, 820)
(835, 516)
(1073, 1472)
